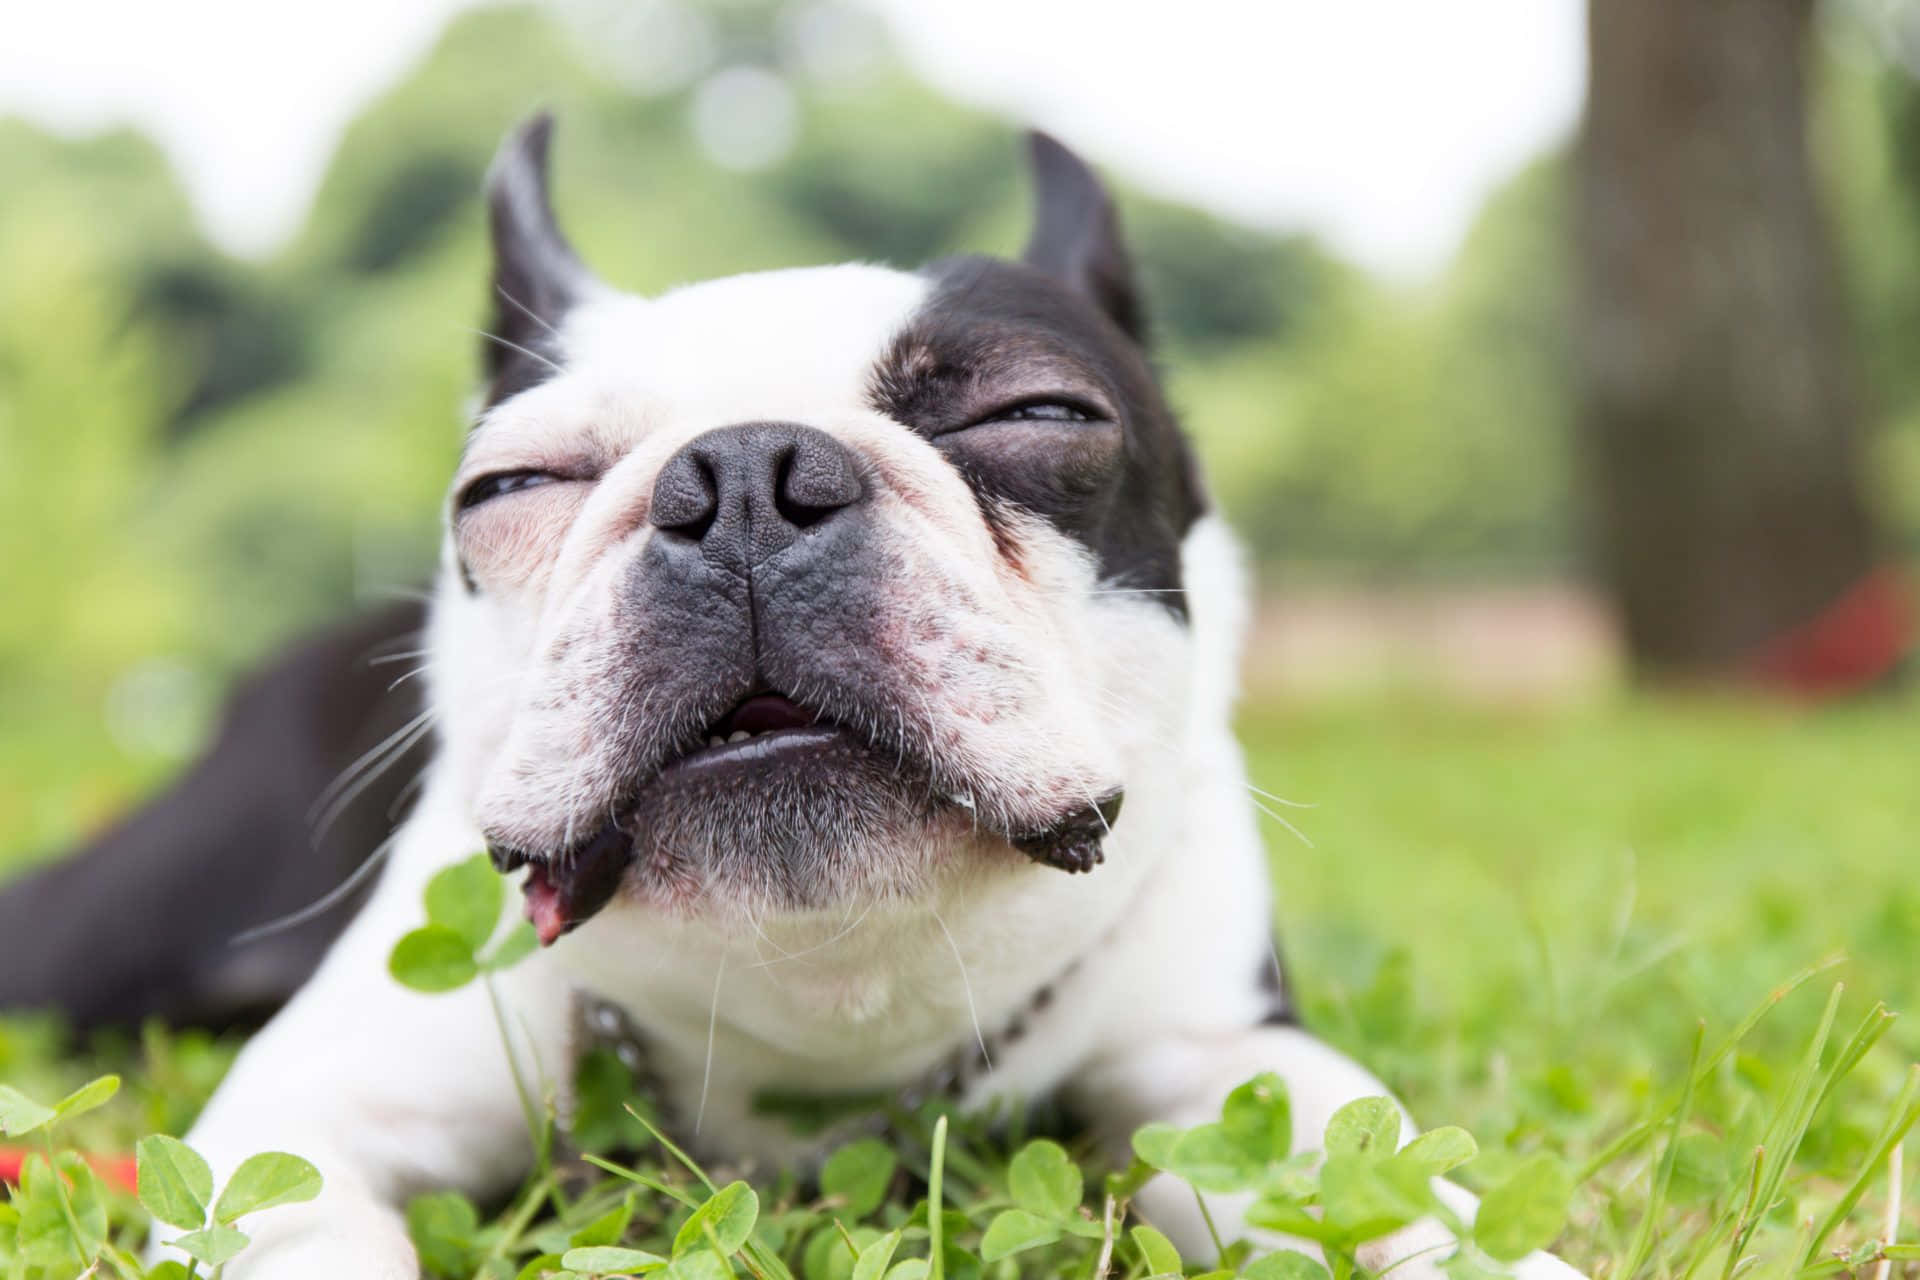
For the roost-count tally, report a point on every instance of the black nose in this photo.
(748, 491)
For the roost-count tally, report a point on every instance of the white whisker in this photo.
(420, 670)
(526, 311)
(1291, 804)
(966, 985)
(1095, 806)
(382, 659)
(818, 946)
(373, 753)
(296, 918)
(1295, 831)
(406, 793)
(417, 729)
(713, 1022)
(514, 346)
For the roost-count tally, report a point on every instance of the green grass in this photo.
(1582, 887)
(1522, 921)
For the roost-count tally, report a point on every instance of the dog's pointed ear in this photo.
(1076, 233)
(537, 277)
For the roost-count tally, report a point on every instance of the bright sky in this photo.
(1380, 124)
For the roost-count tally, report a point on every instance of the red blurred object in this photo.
(120, 1171)
(1851, 645)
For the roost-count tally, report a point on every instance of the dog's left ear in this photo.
(537, 277)
(1076, 233)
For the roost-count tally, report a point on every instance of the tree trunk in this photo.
(1719, 425)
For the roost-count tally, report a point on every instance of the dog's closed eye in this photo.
(1060, 410)
(509, 524)
(500, 483)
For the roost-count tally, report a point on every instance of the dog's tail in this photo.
(295, 792)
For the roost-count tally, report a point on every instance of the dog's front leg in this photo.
(389, 1092)
(1183, 1080)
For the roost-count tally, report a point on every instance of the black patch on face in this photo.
(995, 333)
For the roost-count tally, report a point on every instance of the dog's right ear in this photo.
(537, 277)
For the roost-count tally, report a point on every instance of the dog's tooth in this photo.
(716, 741)
(738, 735)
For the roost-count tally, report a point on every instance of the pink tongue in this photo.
(546, 907)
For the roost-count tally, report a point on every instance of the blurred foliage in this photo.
(199, 455)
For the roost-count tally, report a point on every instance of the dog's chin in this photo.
(777, 811)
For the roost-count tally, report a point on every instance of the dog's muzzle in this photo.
(769, 745)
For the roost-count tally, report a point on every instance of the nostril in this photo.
(787, 498)
(811, 484)
(685, 497)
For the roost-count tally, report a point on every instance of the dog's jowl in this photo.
(839, 661)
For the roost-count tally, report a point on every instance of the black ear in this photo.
(1076, 233)
(537, 277)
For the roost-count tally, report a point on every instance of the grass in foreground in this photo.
(1530, 925)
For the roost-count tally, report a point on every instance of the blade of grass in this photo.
(1890, 1225)
(1906, 1111)
(1639, 1133)
(673, 1148)
(1723, 1225)
(760, 1259)
(1643, 1239)
(652, 1184)
(539, 1123)
(1875, 1025)
(1787, 1131)
(961, 1169)
(522, 1217)
(936, 1263)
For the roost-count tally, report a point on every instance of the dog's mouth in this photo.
(762, 732)
(768, 772)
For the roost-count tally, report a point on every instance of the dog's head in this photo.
(782, 591)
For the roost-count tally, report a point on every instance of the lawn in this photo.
(1522, 920)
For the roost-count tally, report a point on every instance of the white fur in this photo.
(1153, 956)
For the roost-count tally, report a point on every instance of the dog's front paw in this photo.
(1544, 1266)
(322, 1241)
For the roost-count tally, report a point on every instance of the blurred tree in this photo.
(412, 210)
(891, 194)
(232, 338)
(1718, 414)
(1212, 285)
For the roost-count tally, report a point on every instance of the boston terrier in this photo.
(840, 662)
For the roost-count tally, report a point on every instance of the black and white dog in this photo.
(841, 658)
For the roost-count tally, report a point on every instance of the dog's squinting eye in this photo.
(499, 484)
(1042, 411)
